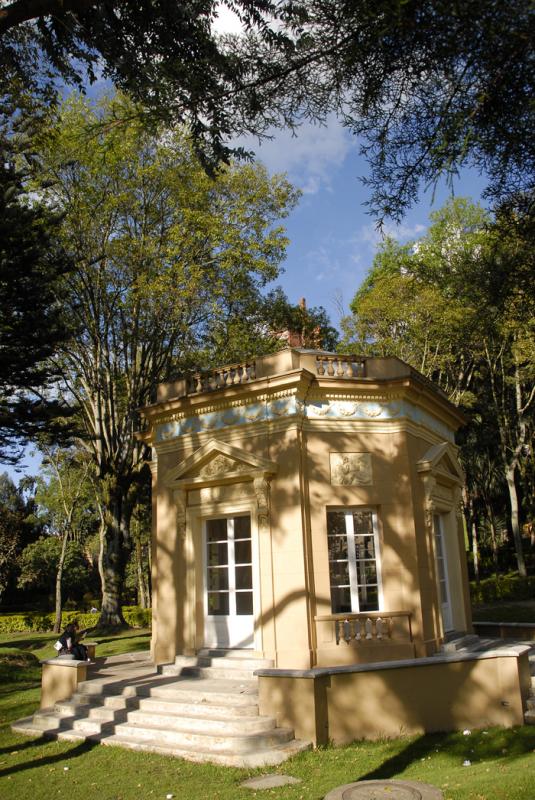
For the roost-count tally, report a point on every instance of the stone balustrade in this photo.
(340, 366)
(373, 625)
(231, 375)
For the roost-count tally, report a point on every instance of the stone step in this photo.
(210, 723)
(81, 700)
(530, 703)
(228, 744)
(217, 673)
(192, 709)
(228, 661)
(529, 717)
(467, 642)
(215, 692)
(262, 758)
(49, 720)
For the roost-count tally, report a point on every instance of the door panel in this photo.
(229, 618)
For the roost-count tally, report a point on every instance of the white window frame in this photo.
(352, 558)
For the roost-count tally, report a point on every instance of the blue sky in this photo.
(332, 236)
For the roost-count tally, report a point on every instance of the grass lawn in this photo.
(502, 761)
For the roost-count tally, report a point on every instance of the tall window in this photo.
(354, 568)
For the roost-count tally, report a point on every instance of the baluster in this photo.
(368, 627)
(319, 366)
(198, 382)
(253, 371)
(347, 636)
(337, 630)
(350, 370)
(361, 630)
(379, 628)
(339, 368)
(388, 625)
(330, 367)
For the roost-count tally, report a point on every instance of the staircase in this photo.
(202, 708)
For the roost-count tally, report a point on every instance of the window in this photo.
(354, 568)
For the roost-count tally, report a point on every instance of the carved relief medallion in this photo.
(351, 469)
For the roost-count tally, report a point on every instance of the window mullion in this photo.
(231, 567)
(352, 562)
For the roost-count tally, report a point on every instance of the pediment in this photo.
(441, 460)
(218, 461)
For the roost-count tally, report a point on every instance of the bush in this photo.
(37, 621)
(505, 587)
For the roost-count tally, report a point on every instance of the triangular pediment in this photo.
(216, 461)
(441, 459)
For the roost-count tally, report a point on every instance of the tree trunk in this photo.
(493, 538)
(59, 580)
(141, 583)
(475, 550)
(114, 550)
(515, 519)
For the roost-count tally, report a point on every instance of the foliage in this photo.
(32, 265)
(163, 254)
(39, 564)
(429, 86)
(38, 621)
(18, 528)
(437, 305)
(503, 587)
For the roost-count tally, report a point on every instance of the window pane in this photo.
(368, 598)
(337, 547)
(244, 577)
(336, 523)
(242, 552)
(217, 554)
(242, 527)
(362, 522)
(339, 571)
(366, 572)
(216, 530)
(218, 603)
(218, 578)
(244, 603)
(340, 599)
(364, 547)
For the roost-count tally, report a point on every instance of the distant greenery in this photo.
(503, 587)
(42, 622)
(40, 645)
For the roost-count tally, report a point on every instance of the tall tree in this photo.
(32, 266)
(161, 251)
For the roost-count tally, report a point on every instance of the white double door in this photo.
(228, 585)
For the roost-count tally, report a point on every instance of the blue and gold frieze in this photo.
(290, 406)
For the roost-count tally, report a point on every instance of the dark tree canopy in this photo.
(428, 85)
(32, 264)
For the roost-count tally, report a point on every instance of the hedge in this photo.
(504, 587)
(38, 621)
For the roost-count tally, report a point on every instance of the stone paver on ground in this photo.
(269, 781)
(385, 790)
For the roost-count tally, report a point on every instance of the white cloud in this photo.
(308, 156)
(371, 236)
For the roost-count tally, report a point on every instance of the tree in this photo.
(162, 251)
(63, 500)
(32, 266)
(18, 527)
(436, 304)
(429, 85)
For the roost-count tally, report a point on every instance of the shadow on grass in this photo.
(33, 762)
(35, 643)
(506, 743)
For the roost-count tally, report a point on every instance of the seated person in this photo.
(70, 645)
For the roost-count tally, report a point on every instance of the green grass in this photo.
(502, 761)
(42, 644)
(522, 611)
